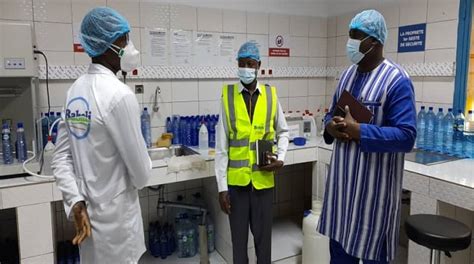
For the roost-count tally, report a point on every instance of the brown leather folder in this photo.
(358, 111)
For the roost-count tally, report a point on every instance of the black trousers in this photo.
(254, 208)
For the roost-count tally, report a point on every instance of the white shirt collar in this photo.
(95, 68)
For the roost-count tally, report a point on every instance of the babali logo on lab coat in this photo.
(78, 117)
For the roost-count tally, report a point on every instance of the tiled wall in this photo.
(441, 36)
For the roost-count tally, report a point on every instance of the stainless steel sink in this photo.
(176, 150)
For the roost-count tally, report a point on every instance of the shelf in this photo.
(16, 168)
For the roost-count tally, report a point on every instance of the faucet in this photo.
(155, 102)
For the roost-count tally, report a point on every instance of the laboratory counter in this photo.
(451, 182)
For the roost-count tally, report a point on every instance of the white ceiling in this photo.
(293, 7)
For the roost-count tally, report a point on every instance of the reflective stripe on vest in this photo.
(243, 134)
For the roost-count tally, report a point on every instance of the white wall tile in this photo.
(391, 13)
(439, 10)
(81, 7)
(331, 47)
(393, 56)
(332, 27)
(317, 86)
(186, 108)
(315, 103)
(318, 27)
(58, 58)
(130, 9)
(53, 36)
(438, 90)
(298, 87)
(47, 258)
(52, 10)
(342, 61)
(165, 95)
(318, 47)
(154, 15)
(411, 57)
(257, 23)
(183, 17)
(234, 21)
(418, 85)
(343, 24)
(209, 19)
(284, 103)
(81, 58)
(440, 55)
(279, 24)
(35, 230)
(299, 46)
(16, 9)
(441, 35)
(262, 43)
(184, 91)
(57, 92)
(331, 62)
(297, 103)
(278, 61)
(282, 86)
(209, 107)
(210, 90)
(413, 11)
(299, 26)
(318, 62)
(158, 119)
(341, 45)
(299, 62)
(391, 43)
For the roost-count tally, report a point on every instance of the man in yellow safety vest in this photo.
(250, 111)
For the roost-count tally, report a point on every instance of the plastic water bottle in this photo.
(430, 129)
(459, 134)
(146, 127)
(469, 134)
(176, 136)
(189, 129)
(7, 148)
(448, 129)
(164, 251)
(203, 136)
(211, 236)
(182, 129)
(169, 125)
(421, 128)
(21, 148)
(212, 132)
(439, 131)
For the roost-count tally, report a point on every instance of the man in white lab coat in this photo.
(101, 160)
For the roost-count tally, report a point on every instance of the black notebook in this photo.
(263, 146)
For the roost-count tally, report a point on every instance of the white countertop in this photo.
(460, 172)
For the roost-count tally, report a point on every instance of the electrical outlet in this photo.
(139, 89)
(14, 63)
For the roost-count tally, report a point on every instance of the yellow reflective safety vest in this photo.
(243, 133)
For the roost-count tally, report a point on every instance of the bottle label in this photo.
(6, 137)
(185, 239)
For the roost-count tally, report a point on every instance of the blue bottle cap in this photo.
(450, 109)
(145, 109)
(422, 107)
(19, 125)
(459, 111)
(58, 113)
(440, 109)
(470, 112)
(430, 108)
(5, 126)
(46, 114)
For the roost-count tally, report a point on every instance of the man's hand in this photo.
(273, 163)
(81, 222)
(352, 126)
(336, 128)
(224, 201)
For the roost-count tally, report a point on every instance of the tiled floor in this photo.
(214, 258)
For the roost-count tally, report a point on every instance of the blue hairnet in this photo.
(101, 27)
(249, 50)
(372, 23)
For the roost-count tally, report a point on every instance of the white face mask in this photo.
(247, 75)
(353, 50)
(129, 57)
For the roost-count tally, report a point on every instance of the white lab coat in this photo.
(101, 158)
